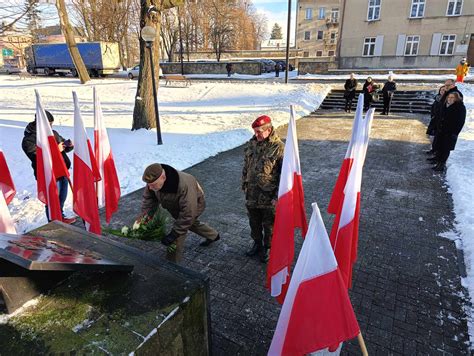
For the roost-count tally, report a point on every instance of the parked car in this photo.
(10, 68)
(135, 71)
(283, 65)
(267, 65)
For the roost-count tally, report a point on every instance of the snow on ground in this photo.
(359, 77)
(197, 122)
(460, 177)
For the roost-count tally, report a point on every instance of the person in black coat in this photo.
(228, 68)
(451, 87)
(369, 89)
(28, 145)
(388, 90)
(435, 117)
(452, 122)
(349, 92)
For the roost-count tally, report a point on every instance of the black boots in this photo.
(262, 251)
(439, 167)
(207, 242)
(254, 250)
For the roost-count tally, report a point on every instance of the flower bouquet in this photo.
(148, 227)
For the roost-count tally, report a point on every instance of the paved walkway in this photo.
(407, 292)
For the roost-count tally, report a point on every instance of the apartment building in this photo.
(317, 27)
(406, 33)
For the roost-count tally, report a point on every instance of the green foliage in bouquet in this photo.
(149, 228)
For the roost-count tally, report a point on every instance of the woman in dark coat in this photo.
(435, 117)
(369, 90)
(389, 88)
(349, 92)
(452, 122)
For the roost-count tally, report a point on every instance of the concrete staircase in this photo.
(407, 101)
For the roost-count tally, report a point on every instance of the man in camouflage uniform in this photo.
(260, 180)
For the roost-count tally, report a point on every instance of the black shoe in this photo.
(432, 159)
(383, 113)
(429, 152)
(264, 255)
(439, 167)
(254, 250)
(207, 242)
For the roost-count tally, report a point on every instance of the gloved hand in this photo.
(169, 239)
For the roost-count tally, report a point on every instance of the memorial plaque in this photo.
(42, 254)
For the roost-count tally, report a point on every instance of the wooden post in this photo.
(363, 348)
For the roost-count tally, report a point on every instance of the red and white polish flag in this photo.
(290, 214)
(85, 175)
(108, 189)
(338, 193)
(7, 192)
(317, 312)
(345, 230)
(49, 163)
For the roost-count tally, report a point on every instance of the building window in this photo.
(333, 37)
(330, 53)
(307, 35)
(417, 8)
(411, 45)
(309, 14)
(320, 35)
(335, 15)
(369, 46)
(319, 53)
(447, 45)
(305, 54)
(374, 10)
(454, 8)
(322, 13)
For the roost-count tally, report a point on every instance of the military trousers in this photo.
(261, 225)
(198, 228)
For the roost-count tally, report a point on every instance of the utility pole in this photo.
(288, 42)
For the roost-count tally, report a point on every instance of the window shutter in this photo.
(378, 46)
(435, 42)
(401, 45)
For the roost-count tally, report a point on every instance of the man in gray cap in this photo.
(183, 197)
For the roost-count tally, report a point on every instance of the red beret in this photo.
(262, 120)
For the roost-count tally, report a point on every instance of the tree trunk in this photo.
(71, 42)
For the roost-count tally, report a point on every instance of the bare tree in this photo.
(71, 42)
(221, 26)
(144, 110)
(169, 33)
(13, 13)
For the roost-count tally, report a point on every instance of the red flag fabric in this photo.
(290, 214)
(338, 193)
(49, 163)
(345, 230)
(85, 175)
(317, 312)
(108, 189)
(6, 181)
(7, 192)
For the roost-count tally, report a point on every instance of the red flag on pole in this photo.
(7, 192)
(345, 230)
(85, 175)
(49, 162)
(290, 214)
(317, 312)
(108, 189)
(338, 193)
(6, 181)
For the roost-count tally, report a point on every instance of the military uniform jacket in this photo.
(181, 195)
(261, 172)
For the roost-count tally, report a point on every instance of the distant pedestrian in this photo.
(388, 90)
(452, 122)
(260, 179)
(228, 67)
(369, 89)
(277, 69)
(350, 88)
(462, 70)
(180, 194)
(28, 145)
(436, 108)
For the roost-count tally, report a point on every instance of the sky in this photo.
(276, 11)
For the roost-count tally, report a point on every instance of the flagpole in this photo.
(363, 348)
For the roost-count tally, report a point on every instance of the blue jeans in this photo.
(62, 184)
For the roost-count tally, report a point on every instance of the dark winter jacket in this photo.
(350, 89)
(450, 126)
(452, 90)
(181, 195)
(389, 88)
(29, 145)
(435, 115)
(261, 172)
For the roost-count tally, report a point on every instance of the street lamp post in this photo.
(288, 42)
(148, 34)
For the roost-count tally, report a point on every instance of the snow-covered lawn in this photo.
(197, 122)
(460, 176)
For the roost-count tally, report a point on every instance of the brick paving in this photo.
(407, 292)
